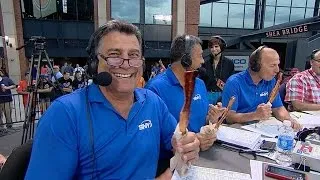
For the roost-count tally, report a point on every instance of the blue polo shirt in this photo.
(248, 95)
(167, 86)
(124, 148)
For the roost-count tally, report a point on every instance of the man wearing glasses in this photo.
(303, 89)
(108, 132)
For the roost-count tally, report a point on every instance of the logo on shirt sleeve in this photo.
(145, 125)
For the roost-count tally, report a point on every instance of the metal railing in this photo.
(12, 109)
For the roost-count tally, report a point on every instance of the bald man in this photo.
(252, 89)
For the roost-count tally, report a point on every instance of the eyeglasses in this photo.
(118, 61)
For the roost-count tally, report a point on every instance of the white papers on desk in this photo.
(307, 120)
(238, 137)
(315, 113)
(269, 128)
(202, 173)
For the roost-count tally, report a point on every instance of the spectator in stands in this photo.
(78, 81)
(162, 67)
(303, 89)
(63, 68)
(44, 90)
(78, 69)
(66, 83)
(282, 89)
(292, 72)
(44, 69)
(22, 89)
(6, 98)
(56, 74)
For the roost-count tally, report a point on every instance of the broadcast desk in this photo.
(221, 158)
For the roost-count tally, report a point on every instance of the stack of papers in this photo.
(238, 137)
(269, 128)
(307, 120)
(201, 173)
(315, 113)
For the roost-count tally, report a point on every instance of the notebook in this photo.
(238, 137)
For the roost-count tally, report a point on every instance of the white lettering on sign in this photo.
(240, 62)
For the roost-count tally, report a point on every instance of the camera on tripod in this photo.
(39, 42)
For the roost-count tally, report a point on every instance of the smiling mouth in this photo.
(119, 75)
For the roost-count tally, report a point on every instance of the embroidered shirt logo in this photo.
(145, 124)
(264, 94)
(197, 97)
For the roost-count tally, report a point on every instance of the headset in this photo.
(314, 52)
(254, 59)
(186, 60)
(303, 134)
(223, 46)
(93, 60)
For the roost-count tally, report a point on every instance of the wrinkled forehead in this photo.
(119, 42)
(269, 56)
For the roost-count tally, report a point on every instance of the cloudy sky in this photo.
(130, 9)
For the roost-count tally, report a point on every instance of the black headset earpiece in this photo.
(255, 64)
(186, 60)
(93, 59)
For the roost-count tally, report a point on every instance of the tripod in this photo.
(39, 54)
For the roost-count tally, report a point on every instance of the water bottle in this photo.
(285, 144)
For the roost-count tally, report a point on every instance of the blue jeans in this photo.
(213, 97)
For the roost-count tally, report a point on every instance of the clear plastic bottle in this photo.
(285, 144)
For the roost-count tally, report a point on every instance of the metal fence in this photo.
(12, 109)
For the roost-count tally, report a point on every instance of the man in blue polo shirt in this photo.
(108, 131)
(169, 86)
(252, 88)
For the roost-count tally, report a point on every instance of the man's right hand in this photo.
(263, 111)
(215, 111)
(207, 136)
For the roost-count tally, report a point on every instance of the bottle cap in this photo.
(287, 123)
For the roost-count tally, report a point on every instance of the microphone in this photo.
(214, 55)
(102, 79)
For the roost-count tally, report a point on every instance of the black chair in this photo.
(17, 163)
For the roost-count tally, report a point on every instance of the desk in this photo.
(220, 158)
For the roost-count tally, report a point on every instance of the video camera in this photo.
(39, 43)
(38, 39)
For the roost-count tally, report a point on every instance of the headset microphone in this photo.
(102, 79)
